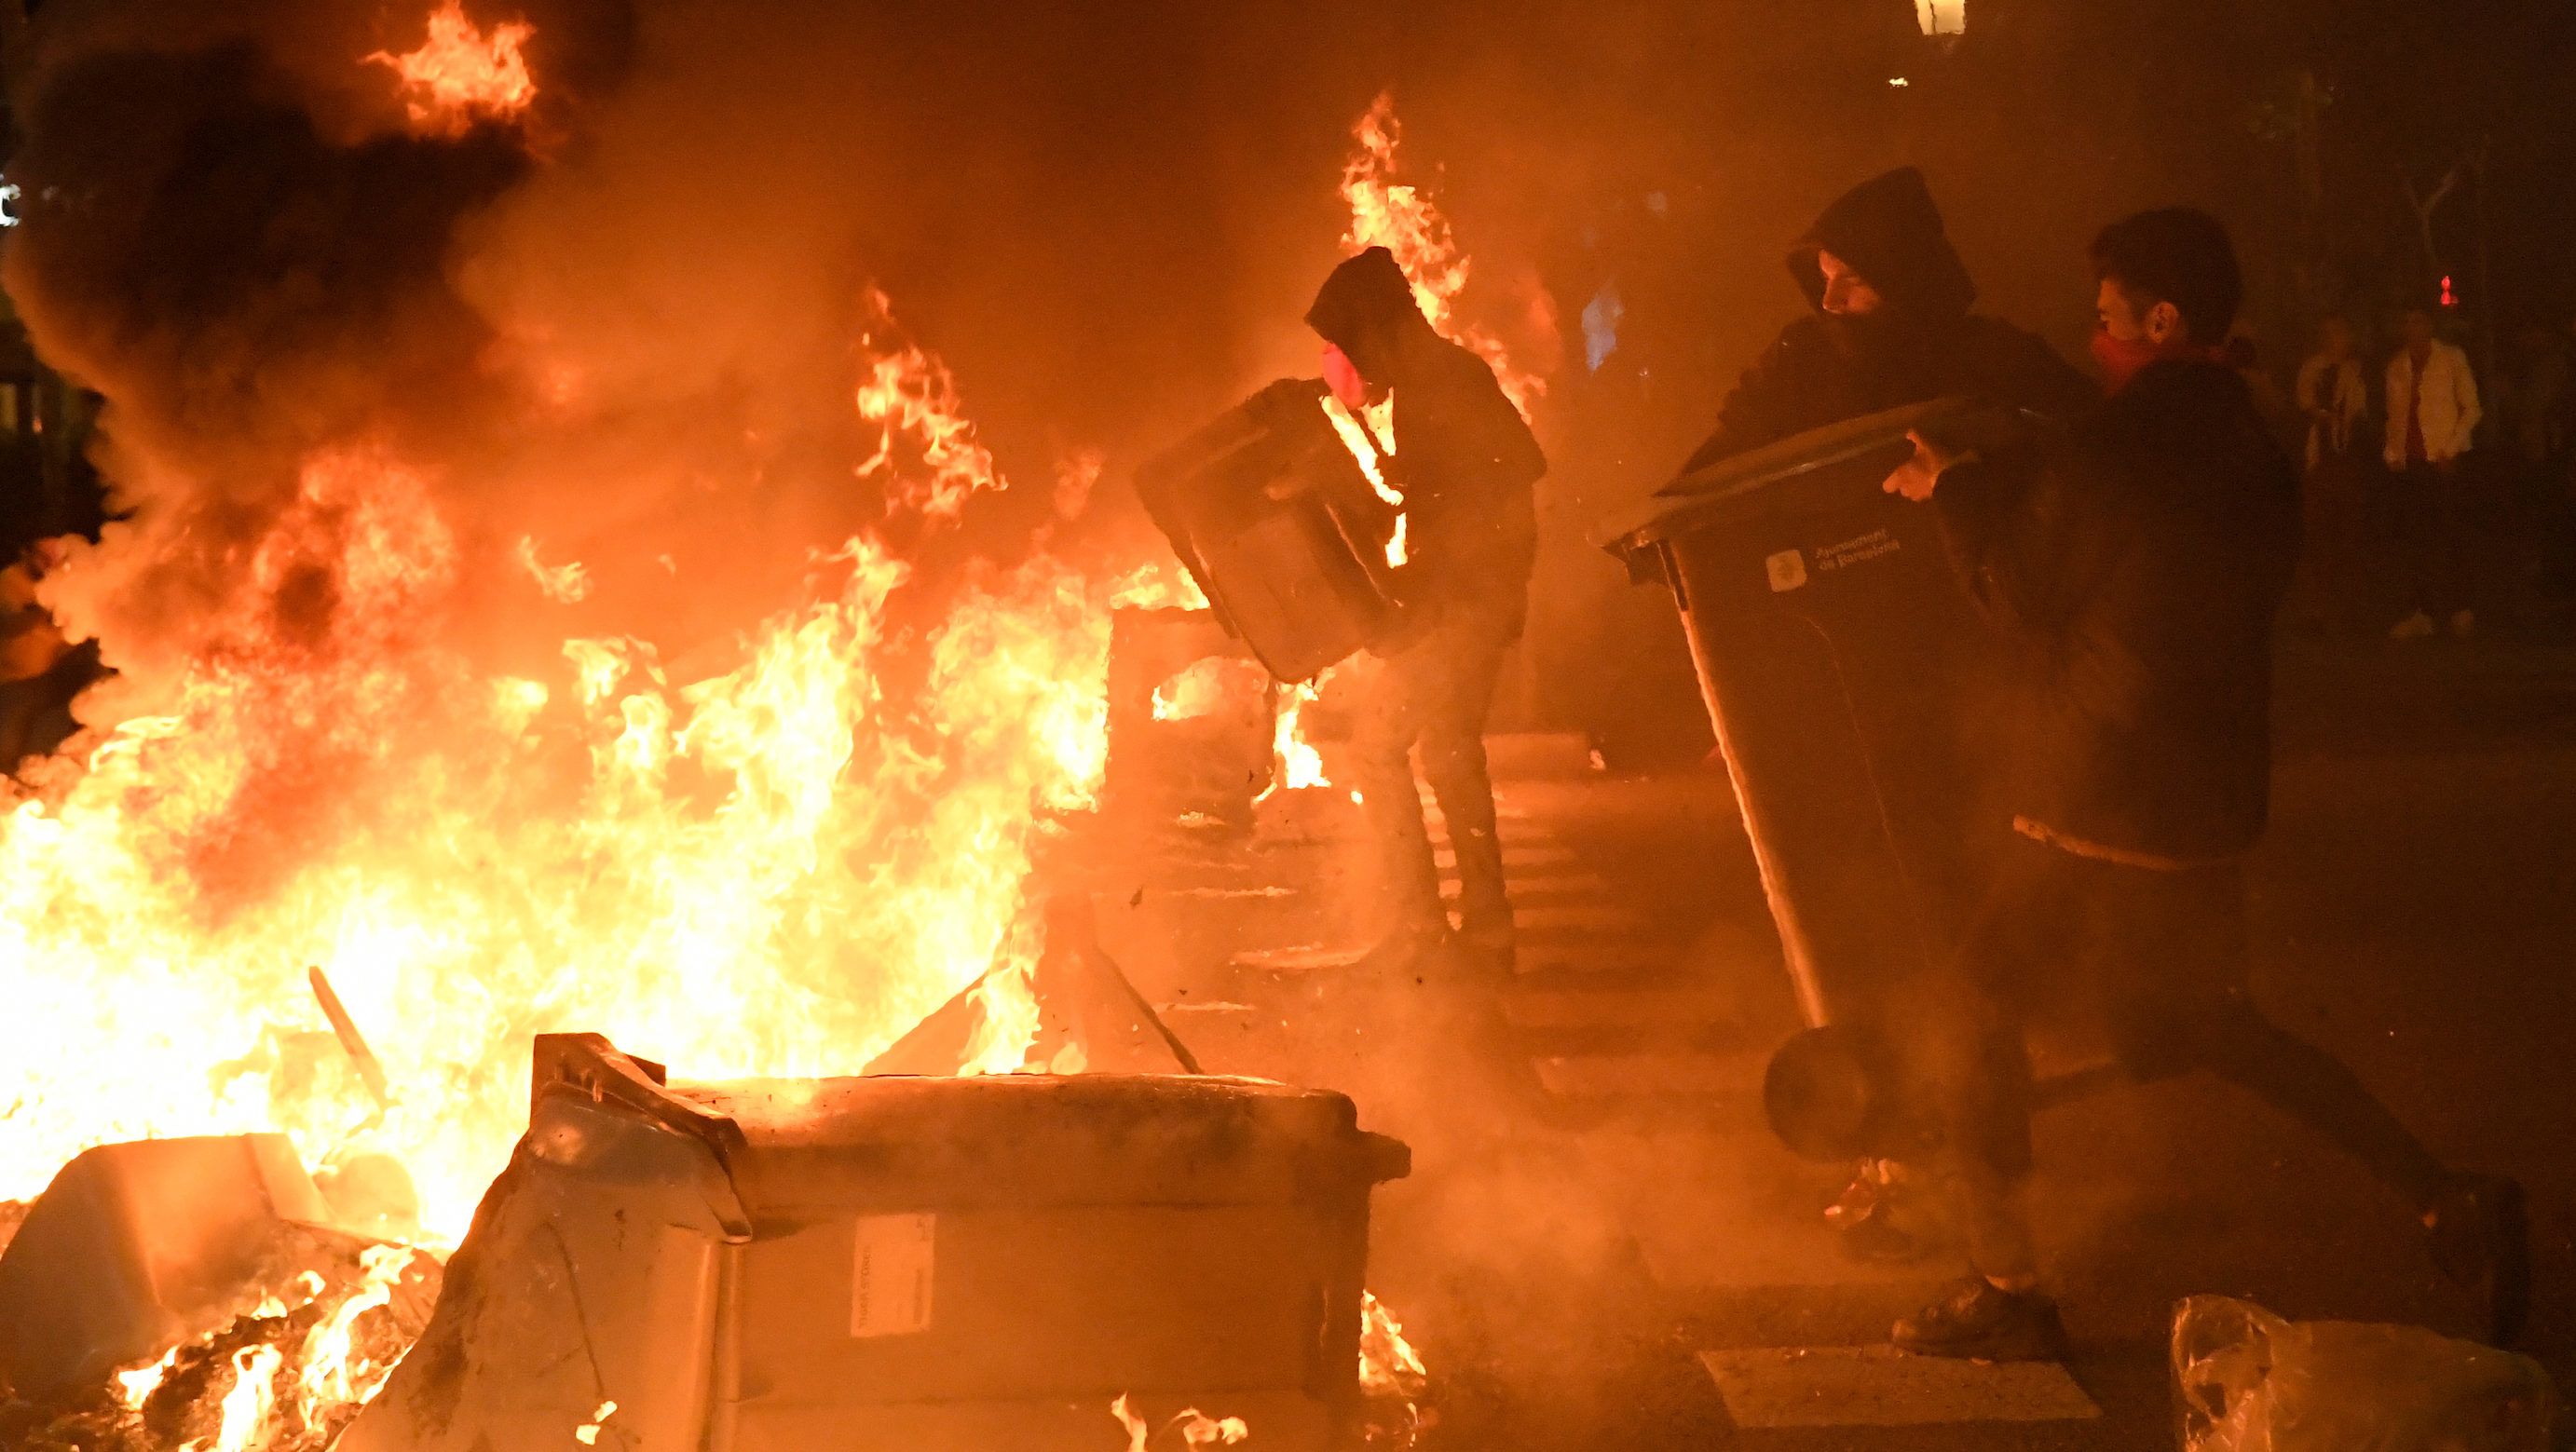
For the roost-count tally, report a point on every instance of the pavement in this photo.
(1601, 1245)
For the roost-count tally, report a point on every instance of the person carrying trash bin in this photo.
(1466, 464)
(1891, 325)
(2134, 573)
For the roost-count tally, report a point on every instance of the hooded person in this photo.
(1466, 464)
(1890, 326)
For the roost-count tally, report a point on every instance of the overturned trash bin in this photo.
(931, 1265)
(1842, 666)
(135, 1248)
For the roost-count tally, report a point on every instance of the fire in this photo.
(338, 1369)
(564, 584)
(1392, 1373)
(1370, 436)
(460, 75)
(1205, 687)
(1401, 217)
(245, 1407)
(775, 870)
(1158, 585)
(1197, 1429)
(910, 396)
(1295, 764)
(1007, 1018)
(136, 1387)
(268, 1386)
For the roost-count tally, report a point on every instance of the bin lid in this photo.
(1762, 475)
(1012, 1139)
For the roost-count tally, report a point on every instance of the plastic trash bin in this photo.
(1841, 663)
(1270, 512)
(906, 1264)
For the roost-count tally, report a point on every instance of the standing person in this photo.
(2135, 576)
(1466, 464)
(2432, 419)
(2333, 395)
(1890, 326)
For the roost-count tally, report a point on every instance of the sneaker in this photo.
(2418, 626)
(2481, 1234)
(1977, 1321)
(2463, 622)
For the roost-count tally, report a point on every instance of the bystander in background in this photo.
(2432, 419)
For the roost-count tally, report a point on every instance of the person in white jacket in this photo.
(2432, 415)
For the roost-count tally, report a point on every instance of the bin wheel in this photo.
(1824, 1098)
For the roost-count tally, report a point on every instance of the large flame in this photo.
(775, 865)
(775, 870)
(1399, 215)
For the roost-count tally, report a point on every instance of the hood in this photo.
(1365, 308)
(1891, 234)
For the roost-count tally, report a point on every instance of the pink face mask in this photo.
(2123, 360)
(1343, 377)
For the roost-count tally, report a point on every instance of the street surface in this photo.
(1601, 1245)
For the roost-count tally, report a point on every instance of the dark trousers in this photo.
(2431, 519)
(2161, 957)
(2334, 577)
(1431, 694)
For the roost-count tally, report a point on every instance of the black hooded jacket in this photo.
(1464, 458)
(1922, 344)
(2136, 576)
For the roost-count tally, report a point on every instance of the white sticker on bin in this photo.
(890, 1274)
(1788, 570)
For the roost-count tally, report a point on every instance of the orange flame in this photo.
(338, 1365)
(245, 1406)
(1401, 217)
(912, 399)
(460, 75)
(777, 870)
(1198, 1430)
(1391, 1371)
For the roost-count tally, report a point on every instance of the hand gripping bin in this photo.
(1841, 662)
(1270, 512)
(929, 1265)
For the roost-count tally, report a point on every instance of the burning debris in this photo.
(395, 721)
(201, 1294)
